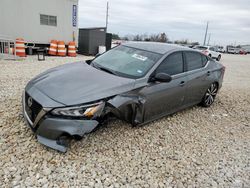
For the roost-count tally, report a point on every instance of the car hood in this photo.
(76, 83)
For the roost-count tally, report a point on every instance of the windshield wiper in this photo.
(107, 70)
(103, 68)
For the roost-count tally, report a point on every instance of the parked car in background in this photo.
(246, 48)
(221, 49)
(243, 52)
(210, 51)
(137, 82)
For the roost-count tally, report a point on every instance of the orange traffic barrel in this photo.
(72, 49)
(53, 47)
(61, 49)
(20, 48)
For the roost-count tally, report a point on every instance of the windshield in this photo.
(200, 47)
(126, 61)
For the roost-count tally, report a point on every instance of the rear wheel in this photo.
(210, 95)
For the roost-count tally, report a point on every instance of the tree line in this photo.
(159, 37)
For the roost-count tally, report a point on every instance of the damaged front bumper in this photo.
(49, 130)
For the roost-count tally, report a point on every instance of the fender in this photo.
(128, 107)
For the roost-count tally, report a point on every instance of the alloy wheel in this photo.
(210, 94)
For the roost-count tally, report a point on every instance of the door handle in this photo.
(182, 83)
(208, 73)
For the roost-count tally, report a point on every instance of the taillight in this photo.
(205, 52)
(223, 71)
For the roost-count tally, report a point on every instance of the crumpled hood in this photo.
(77, 83)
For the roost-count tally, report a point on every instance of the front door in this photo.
(163, 98)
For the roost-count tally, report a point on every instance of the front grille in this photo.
(32, 107)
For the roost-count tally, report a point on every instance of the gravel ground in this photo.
(197, 147)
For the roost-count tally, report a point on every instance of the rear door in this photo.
(198, 76)
(163, 98)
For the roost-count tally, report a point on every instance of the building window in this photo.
(48, 20)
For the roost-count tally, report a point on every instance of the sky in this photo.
(229, 20)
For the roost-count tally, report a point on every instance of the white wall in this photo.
(21, 18)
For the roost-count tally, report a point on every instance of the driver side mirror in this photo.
(162, 77)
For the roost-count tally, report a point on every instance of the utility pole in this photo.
(107, 16)
(209, 39)
(205, 38)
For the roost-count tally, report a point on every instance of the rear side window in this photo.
(172, 65)
(200, 47)
(194, 60)
(204, 60)
(212, 49)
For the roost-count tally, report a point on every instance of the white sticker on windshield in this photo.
(140, 57)
(139, 71)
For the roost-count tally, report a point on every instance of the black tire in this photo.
(64, 140)
(210, 95)
(218, 58)
(210, 55)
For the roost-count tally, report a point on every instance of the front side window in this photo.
(48, 20)
(126, 61)
(172, 65)
(194, 60)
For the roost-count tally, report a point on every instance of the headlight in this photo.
(80, 111)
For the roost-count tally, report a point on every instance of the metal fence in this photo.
(7, 48)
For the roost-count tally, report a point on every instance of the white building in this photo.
(39, 21)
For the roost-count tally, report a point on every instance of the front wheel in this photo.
(210, 95)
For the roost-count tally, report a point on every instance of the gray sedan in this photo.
(136, 82)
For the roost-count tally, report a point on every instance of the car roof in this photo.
(203, 46)
(156, 47)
